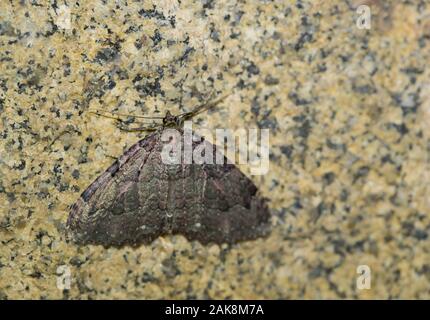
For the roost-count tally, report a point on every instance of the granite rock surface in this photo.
(348, 111)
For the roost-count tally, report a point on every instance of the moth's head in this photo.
(170, 120)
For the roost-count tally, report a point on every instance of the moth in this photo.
(139, 197)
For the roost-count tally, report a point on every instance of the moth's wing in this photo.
(225, 203)
(112, 210)
(140, 198)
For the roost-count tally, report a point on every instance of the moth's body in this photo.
(139, 198)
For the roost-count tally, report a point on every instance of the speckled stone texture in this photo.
(348, 112)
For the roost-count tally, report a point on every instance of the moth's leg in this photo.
(123, 125)
(117, 116)
(102, 113)
(120, 125)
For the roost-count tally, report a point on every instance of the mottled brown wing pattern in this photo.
(232, 211)
(98, 216)
(140, 198)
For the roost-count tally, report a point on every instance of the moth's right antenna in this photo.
(199, 109)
